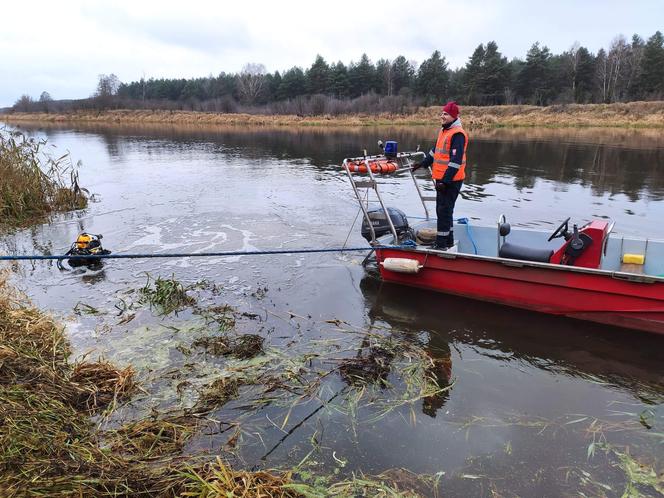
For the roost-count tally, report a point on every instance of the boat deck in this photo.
(483, 241)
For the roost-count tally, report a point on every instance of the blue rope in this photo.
(189, 255)
(466, 221)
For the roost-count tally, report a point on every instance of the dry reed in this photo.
(32, 183)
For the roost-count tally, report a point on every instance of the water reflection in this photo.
(552, 344)
(93, 274)
(604, 160)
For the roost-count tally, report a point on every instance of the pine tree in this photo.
(534, 80)
(362, 77)
(293, 83)
(318, 77)
(402, 75)
(275, 86)
(634, 66)
(652, 67)
(433, 78)
(471, 84)
(584, 76)
(384, 78)
(496, 75)
(339, 82)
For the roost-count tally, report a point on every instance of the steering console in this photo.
(561, 231)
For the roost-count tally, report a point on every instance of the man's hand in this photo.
(415, 166)
(440, 186)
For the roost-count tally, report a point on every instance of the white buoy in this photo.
(401, 265)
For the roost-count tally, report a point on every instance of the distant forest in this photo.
(626, 71)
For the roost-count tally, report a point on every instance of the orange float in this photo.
(378, 166)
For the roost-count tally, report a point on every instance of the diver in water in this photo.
(86, 245)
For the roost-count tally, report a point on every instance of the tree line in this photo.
(625, 71)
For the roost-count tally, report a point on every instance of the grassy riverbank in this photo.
(628, 115)
(49, 444)
(54, 439)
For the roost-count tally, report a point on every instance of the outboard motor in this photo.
(382, 227)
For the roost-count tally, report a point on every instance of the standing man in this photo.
(449, 170)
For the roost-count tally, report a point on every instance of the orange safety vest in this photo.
(441, 155)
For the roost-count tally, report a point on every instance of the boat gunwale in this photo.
(616, 275)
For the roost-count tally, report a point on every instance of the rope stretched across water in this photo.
(36, 257)
(190, 254)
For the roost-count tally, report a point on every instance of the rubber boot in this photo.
(444, 242)
(450, 239)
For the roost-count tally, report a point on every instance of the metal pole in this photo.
(359, 200)
(417, 187)
(380, 199)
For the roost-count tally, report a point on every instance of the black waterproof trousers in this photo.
(446, 197)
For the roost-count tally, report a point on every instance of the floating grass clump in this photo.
(218, 393)
(371, 365)
(32, 183)
(217, 479)
(223, 316)
(244, 347)
(102, 384)
(166, 295)
(147, 439)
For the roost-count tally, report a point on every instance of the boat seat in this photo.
(514, 251)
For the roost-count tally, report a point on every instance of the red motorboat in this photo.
(583, 272)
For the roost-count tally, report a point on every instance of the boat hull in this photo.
(618, 299)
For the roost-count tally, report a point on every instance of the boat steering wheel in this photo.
(562, 229)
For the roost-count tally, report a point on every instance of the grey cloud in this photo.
(207, 35)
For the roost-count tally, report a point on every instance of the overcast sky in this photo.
(62, 47)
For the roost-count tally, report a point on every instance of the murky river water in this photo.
(529, 405)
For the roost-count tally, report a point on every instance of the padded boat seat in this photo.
(514, 251)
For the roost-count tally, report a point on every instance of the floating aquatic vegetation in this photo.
(217, 394)
(217, 346)
(167, 295)
(247, 346)
(48, 446)
(85, 309)
(397, 483)
(391, 373)
(244, 346)
(223, 316)
(371, 365)
(393, 483)
(640, 477)
(217, 479)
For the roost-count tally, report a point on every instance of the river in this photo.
(531, 405)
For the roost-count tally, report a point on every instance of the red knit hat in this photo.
(452, 109)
